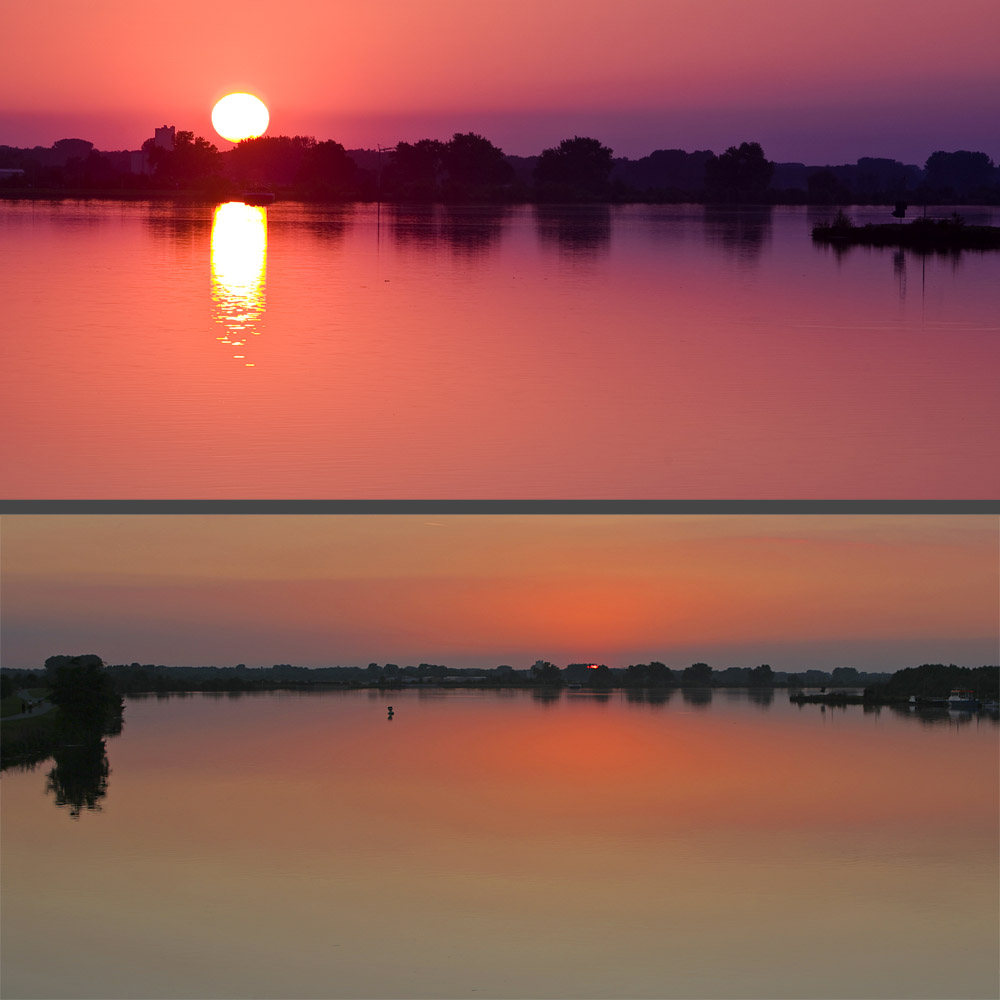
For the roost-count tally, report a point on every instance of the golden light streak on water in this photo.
(239, 270)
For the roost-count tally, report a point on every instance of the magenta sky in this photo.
(814, 82)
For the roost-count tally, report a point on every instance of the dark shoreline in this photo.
(921, 234)
(688, 198)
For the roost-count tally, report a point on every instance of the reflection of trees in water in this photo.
(742, 232)
(658, 696)
(899, 269)
(576, 230)
(838, 248)
(468, 231)
(415, 226)
(902, 257)
(925, 715)
(473, 231)
(698, 697)
(506, 693)
(546, 695)
(328, 223)
(942, 715)
(762, 697)
(187, 226)
(79, 779)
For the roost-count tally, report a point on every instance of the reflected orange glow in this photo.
(239, 271)
(768, 829)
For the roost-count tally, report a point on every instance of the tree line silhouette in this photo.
(136, 678)
(468, 168)
(89, 693)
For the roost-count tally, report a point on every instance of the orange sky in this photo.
(478, 590)
(895, 78)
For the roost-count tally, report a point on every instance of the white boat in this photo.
(963, 698)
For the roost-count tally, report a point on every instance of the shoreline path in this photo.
(39, 706)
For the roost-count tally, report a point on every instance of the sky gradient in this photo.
(897, 78)
(798, 592)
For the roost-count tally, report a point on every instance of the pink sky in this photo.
(818, 83)
(878, 593)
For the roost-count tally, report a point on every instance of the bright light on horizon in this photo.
(240, 116)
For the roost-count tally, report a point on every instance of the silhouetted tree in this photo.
(740, 174)
(658, 674)
(90, 171)
(192, 160)
(844, 677)
(762, 676)
(825, 189)
(961, 173)
(637, 675)
(936, 680)
(665, 175)
(475, 169)
(575, 170)
(601, 677)
(698, 675)
(84, 691)
(543, 672)
(272, 160)
(71, 148)
(879, 179)
(414, 170)
(326, 171)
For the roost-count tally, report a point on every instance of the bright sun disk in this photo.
(240, 116)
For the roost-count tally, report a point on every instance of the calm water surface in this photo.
(483, 844)
(153, 350)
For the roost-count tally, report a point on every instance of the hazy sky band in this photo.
(876, 592)
(895, 78)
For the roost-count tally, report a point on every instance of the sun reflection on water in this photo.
(239, 272)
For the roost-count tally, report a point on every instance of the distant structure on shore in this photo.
(165, 137)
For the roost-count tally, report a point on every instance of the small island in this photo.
(922, 234)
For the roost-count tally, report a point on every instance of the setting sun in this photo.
(240, 116)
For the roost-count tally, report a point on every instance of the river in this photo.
(507, 844)
(160, 350)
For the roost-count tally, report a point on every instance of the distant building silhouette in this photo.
(164, 137)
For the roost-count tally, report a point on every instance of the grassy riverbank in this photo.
(30, 738)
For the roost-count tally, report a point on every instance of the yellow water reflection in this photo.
(239, 274)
